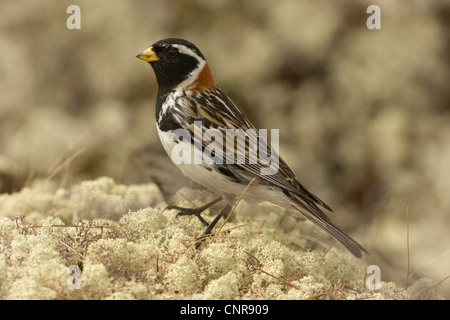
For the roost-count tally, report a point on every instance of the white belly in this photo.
(201, 173)
(207, 176)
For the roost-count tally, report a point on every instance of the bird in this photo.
(189, 99)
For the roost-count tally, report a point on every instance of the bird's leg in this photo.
(223, 213)
(196, 211)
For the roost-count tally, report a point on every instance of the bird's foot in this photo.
(223, 213)
(194, 211)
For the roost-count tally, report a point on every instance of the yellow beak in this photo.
(148, 55)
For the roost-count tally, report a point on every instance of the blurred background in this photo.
(364, 115)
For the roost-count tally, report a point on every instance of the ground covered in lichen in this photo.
(363, 118)
(127, 246)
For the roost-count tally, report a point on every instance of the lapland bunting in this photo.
(190, 104)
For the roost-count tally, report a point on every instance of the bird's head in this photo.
(177, 62)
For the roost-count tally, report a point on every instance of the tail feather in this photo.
(315, 214)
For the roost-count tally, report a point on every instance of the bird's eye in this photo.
(172, 52)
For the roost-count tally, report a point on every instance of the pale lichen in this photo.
(150, 253)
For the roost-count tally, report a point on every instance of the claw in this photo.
(201, 239)
(196, 212)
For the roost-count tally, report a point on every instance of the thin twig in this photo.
(407, 245)
(65, 226)
(331, 290)
(86, 244)
(72, 249)
(428, 263)
(278, 278)
(231, 212)
(51, 175)
(433, 285)
(254, 291)
(329, 248)
(61, 166)
(251, 256)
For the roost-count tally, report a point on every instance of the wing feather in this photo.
(217, 111)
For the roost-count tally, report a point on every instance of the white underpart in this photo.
(215, 181)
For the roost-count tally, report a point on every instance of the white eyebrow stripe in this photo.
(182, 49)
